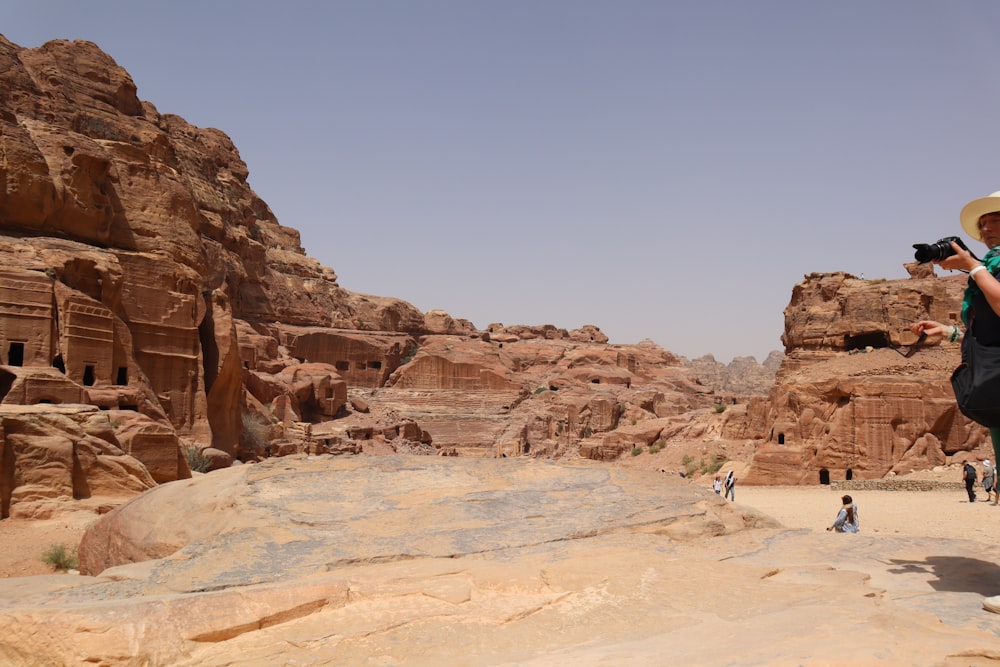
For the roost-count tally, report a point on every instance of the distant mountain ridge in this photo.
(741, 376)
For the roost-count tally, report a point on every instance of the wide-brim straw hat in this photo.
(976, 209)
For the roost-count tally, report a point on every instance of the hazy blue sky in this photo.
(663, 170)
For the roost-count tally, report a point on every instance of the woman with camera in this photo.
(981, 303)
(980, 314)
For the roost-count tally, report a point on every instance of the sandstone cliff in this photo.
(142, 275)
(846, 404)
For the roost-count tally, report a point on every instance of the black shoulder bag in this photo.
(976, 382)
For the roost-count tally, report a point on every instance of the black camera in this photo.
(935, 252)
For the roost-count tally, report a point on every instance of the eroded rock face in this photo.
(546, 394)
(70, 452)
(742, 377)
(140, 273)
(845, 404)
(134, 255)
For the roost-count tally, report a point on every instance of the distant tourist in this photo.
(969, 477)
(717, 485)
(730, 485)
(847, 520)
(990, 481)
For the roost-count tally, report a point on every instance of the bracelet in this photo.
(976, 270)
(955, 334)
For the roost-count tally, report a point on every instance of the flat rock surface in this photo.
(434, 561)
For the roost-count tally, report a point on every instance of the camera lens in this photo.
(933, 252)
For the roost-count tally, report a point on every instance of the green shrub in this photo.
(690, 466)
(411, 351)
(540, 390)
(657, 446)
(196, 461)
(636, 451)
(714, 466)
(720, 407)
(59, 558)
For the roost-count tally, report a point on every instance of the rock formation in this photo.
(743, 376)
(846, 404)
(141, 273)
(151, 306)
(424, 561)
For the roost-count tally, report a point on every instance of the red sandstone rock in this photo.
(62, 452)
(845, 405)
(142, 274)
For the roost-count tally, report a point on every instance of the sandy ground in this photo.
(24, 541)
(947, 514)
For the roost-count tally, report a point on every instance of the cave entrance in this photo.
(876, 339)
(15, 354)
(824, 476)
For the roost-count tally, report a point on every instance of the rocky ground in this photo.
(582, 574)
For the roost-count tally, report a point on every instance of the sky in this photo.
(665, 170)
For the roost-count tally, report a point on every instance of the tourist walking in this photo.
(847, 520)
(989, 480)
(730, 485)
(717, 485)
(969, 477)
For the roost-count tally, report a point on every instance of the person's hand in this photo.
(936, 332)
(962, 260)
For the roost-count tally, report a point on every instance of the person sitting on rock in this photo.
(847, 520)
